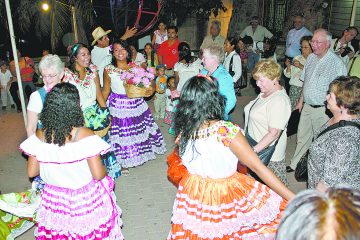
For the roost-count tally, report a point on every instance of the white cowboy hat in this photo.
(98, 33)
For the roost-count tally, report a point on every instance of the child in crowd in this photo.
(160, 97)
(5, 81)
(172, 96)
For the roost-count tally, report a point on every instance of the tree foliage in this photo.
(28, 17)
(178, 10)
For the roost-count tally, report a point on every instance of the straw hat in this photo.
(98, 33)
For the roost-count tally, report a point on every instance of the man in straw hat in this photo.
(100, 55)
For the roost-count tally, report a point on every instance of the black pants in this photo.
(14, 94)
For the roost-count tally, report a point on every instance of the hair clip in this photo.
(75, 48)
(205, 76)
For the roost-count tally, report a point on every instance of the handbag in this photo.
(301, 170)
(265, 154)
(242, 81)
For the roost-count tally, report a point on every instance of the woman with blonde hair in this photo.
(266, 117)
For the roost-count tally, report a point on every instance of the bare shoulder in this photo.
(84, 133)
(39, 133)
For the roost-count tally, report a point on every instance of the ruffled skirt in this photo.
(134, 135)
(237, 207)
(89, 212)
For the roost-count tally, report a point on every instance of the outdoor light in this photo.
(45, 6)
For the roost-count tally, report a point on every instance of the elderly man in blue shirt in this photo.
(212, 58)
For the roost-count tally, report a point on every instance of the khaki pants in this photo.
(159, 104)
(5, 92)
(311, 119)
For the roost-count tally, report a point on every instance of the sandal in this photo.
(125, 172)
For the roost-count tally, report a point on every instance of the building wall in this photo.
(340, 16)
(193, 30)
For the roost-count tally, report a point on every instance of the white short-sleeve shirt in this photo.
(271, 112)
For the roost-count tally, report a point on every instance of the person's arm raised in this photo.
(240, 147)
(130, 32)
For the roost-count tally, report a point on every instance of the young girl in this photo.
(172, 97)
(214, 201)
(78, 201)
(150, 56)
(134, 135)
(160, 35)
(160, 97)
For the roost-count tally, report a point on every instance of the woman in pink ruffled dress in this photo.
(78, 201)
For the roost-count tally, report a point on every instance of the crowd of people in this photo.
(85, 130)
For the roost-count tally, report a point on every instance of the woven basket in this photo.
(133, 91)
(103, 132)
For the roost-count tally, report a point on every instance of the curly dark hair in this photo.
(125, 45)
(199, 103)
(61, 113)
(73, 54)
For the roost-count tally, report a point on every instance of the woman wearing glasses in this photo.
(294, 69)
(52, 70)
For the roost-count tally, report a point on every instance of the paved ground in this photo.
(145, 196)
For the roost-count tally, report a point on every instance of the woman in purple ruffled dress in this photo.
(134, 135)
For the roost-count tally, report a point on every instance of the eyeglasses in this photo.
(48, 76)
(316, 42)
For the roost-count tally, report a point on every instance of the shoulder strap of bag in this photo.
(231, 63)
(341, 123)
(352, 64)
(246, 130)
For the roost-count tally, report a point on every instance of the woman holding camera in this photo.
(294, 69)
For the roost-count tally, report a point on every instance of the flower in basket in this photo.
(137, 82)
(138, 76)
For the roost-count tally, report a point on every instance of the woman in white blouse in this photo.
(294, 69)
(232, 61)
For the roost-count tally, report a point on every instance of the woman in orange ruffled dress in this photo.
(214, 201)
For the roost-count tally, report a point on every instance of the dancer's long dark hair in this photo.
(61, 113)
(72, 55)
(125, 45)
(200, 102)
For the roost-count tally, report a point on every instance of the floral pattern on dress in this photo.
(334, 157)
(225, 132)
(86, 82)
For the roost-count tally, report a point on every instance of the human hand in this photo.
(287, 62)
(299, 105)
(298, 64)
(130, 32)
(351, 54)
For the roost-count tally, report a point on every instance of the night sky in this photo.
(34, 46)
